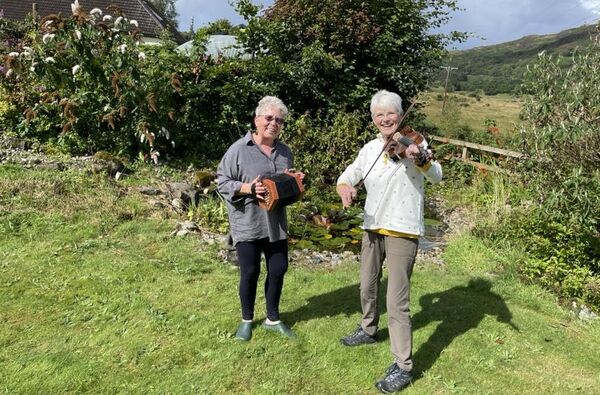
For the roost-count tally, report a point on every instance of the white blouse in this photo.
(395, 190)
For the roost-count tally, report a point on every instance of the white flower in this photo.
(13, 54)
(123, 48)
(32, 68)
(9, 73)
(76, 69)
(78, 34)
(96, 12)
(134, 22)
(27, 52)
(107, 18)
(173, 143)
(48, 37)
(154, 155)
(49, 59)
(118, 21)
(48, 23)
(75, 7)
(142, 56)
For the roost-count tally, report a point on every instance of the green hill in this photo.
(500, 68)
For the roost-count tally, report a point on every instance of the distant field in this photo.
(463, 111)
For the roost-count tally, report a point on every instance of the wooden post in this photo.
(447, 68)
(34, 10)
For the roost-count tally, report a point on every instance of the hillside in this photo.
(500, 68)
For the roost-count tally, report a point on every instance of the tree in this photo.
(342, 60)
(327, 58)
(220, 26)
(167, 9)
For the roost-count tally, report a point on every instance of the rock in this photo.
(51, 166)
(184, 228)
(150, 191)
(15, 143)
(184, 192)
(104, 162)
(203, 178)
(178, 204)
(585, 314)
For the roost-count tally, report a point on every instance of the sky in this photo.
(490, 21)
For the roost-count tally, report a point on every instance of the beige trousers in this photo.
(400, 253)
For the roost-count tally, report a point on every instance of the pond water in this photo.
(346, 234)
(434, 234)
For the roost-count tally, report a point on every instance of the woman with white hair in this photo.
(256, 231)
(393, 221)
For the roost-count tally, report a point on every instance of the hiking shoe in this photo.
(395, 379)
(358, 337)
(281, 328)
(244, 331)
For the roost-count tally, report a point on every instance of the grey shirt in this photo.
(242, 163)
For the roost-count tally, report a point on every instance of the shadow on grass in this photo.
(344, 300)
(459, 309)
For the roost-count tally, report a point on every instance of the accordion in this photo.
(281, 189)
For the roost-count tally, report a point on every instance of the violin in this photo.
(399, 141)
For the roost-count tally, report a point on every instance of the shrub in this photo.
(86, 83)
(562, 173)
(325, 148)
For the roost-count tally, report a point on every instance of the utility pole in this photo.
(448, 69)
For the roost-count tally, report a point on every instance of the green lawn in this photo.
(97, 298)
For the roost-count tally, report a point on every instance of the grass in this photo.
(97, 298)
(464, 111)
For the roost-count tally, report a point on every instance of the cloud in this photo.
(591, 5)
(497, 21)
(490, 21)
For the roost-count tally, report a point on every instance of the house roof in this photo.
(149, 19)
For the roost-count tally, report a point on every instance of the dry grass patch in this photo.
(463, 110)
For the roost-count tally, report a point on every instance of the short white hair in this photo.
(385, 98)
(268, 102)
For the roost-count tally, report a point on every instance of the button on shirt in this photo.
(242, 163)
(395, 190)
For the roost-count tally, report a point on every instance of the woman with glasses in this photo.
(256, 231)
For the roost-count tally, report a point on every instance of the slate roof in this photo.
(149, 20)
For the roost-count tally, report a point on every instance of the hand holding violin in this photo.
(406, 144)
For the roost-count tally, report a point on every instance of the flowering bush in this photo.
(86, 83)
(561, 229)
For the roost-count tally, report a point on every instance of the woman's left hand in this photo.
(295, 172)
(412, 151)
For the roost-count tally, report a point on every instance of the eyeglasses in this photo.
(269, 118)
